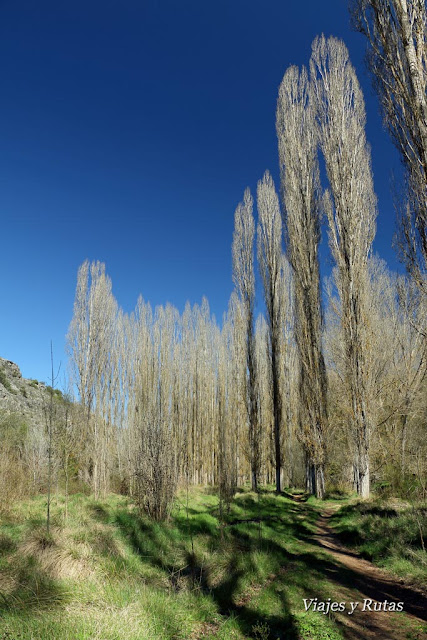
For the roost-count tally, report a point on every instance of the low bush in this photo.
(4, 381)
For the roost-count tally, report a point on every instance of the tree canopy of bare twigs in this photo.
(396, 31)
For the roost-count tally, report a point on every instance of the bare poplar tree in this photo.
(237, 384)
(289, 377)
(397, 58)
(269, 236)
(226, 431)
(49, 416)
(265, 400)
(396, 366)
(206, 354)
(157, 462)
(81, 338)
(401, 309)
(298, 142)
(244, 279)
(351, 212)
(187, 344)
(90, 340)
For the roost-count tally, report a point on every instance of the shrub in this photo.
(157, 474)
(57, 393)
(4, 381)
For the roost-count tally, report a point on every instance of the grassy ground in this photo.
(390, 534)
(109, 574)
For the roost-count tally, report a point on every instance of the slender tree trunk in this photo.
(253, 407)
(50, 440)
(277, 419)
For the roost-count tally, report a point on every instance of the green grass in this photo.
(389, 534)
(110, 574)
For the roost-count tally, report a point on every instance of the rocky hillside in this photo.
(22, 397)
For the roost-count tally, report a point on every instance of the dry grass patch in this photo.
(52, 555)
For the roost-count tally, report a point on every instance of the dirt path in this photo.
(358, 580)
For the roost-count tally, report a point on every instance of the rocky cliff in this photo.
(22, 397)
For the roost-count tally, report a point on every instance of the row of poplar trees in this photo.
(304, 395)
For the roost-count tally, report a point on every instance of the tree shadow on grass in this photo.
(364, 510)
(98, 512)
(247, 617)
(313, 574)
(195, 574)
(154, 542)
(33, 589)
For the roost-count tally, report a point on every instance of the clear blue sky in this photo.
(128, 132)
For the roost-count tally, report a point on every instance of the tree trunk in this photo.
(320, 482)
(254, 480)
(361, 474)
(310, 476)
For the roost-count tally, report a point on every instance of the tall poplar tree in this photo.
(298, 142)
(351, 212)
(244, 279)
(269, 235)
(397, 58)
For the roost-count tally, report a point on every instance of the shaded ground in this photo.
(110, 574)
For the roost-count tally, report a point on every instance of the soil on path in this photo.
(358, 580)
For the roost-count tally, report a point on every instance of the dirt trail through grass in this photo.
(360, 580)
(193, 577)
